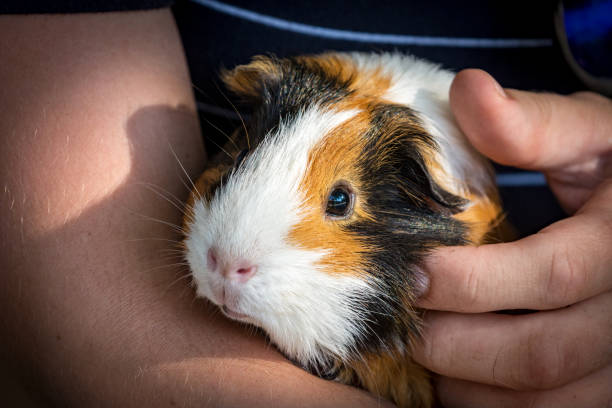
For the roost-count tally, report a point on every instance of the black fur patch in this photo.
(283, 95)
(399, 193)
(293, 90)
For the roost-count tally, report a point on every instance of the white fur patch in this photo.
(305, 311)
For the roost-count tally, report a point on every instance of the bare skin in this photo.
(92, 108)
(561, 356)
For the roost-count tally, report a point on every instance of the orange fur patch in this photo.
(482, 216)
(367, 85)
(393, 376)
(333, 160)
(246, 79)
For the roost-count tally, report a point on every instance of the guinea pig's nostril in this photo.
(240, 274)
(212, 259)
(246, 271)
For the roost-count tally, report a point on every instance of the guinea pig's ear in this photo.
(441, 199)
(451, 202)
(250, 81)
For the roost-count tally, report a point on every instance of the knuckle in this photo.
(472, 286)
(427, 348)
(544, 111)
(591, 96)
(435, 350)
(544, 363)
(535, 370)
(565, 279)
(542, 372)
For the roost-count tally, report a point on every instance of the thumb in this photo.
(537, 131)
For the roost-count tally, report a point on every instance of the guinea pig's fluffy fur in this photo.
(349, 171)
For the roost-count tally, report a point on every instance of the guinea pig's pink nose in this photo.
(239, 271)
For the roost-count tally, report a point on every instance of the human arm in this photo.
(90, 313)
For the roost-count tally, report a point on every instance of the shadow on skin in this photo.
(146, 317)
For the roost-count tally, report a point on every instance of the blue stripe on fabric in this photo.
(527, 179)
(366, 37)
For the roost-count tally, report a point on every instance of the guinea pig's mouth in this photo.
(234, 315)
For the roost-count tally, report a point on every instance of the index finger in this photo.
(567, 262)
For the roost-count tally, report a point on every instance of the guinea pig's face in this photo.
(271, 246)
(315, 232)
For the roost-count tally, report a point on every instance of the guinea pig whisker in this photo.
(171, 198)
(196, 192)
(175, 242)
(180, 268)
(176, 259)
(250, 329)
(175, 251)
(224, 134)
(221, 148)
(193, 186)
(194, 298)
(171, 257)
(174, 227)
(211, 309)
(171, 265)
(180, 278)
(246, 132)
(197, 88)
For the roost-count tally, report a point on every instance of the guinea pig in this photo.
(350, 170)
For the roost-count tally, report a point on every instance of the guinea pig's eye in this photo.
(340, 202)
(240, 157)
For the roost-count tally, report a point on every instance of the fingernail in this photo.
(421, 282)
